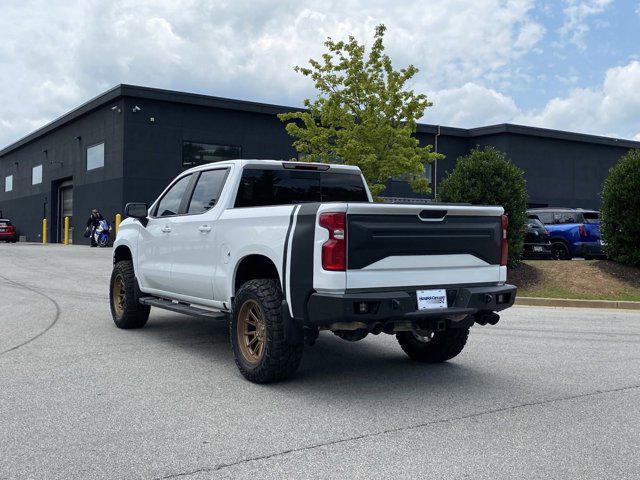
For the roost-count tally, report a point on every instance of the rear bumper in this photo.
(7, 236)
(402, 305)
(588, 248)
(537, 250)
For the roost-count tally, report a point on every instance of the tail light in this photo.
(504, 250)
(583, 230)
(334, 250)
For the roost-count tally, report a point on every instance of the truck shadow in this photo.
(330, 369)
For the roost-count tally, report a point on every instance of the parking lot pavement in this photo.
(547, 393)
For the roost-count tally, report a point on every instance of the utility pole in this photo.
(435, 164)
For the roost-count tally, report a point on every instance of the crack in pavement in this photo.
(223, 466)
(55, 318)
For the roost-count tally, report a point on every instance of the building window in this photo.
(95, 156)
(8, 183)
(428, 173)
(36, 175)
(194, 154)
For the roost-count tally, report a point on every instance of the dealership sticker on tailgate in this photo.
(431, 299)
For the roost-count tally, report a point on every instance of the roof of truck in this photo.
(278, 163)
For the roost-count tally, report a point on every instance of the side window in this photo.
(207, 190)
(545, 217)
(170, 203)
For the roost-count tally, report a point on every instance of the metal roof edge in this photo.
(550, 133)
(126, 90)
(105, 97)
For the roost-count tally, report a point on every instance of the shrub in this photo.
(620, 211)
(487, 177)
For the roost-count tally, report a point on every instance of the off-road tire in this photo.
(132, 314)
(441, 347)
(280, 359)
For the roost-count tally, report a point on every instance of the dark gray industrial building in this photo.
(128, 143)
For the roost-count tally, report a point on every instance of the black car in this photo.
(536, 239)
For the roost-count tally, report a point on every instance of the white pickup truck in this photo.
(283, 250)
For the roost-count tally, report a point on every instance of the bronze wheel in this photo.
(124, 297)
(251, 331)
(118, 295)
(257, 333)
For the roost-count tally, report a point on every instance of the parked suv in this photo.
(282, 250)
(8, 232)
(574, 232)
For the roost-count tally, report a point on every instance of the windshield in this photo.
(534, 223)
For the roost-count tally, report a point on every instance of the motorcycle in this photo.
(101, 233)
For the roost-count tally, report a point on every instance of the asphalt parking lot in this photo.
(547, 393)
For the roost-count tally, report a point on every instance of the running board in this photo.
(183, 308)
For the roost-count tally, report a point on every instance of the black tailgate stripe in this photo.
(286, 251)
(301, 274)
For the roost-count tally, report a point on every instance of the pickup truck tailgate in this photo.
(423, 245)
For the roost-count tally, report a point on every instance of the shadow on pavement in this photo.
(333, 369)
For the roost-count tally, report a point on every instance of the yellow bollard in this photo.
(44, 231)
(66, 230)
(118, 220)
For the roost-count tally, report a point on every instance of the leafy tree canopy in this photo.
(487, 177)
(363, 114)
(620, 210)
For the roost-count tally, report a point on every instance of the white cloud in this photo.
(610, 109)
(54, 55)
(471, 105)
(576, 15)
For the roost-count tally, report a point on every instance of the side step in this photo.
(183, 308)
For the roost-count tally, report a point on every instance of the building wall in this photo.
(558, 172)
(153, 149)
(65, 158)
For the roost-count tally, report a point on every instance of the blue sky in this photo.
(577, 54)
(569, 64)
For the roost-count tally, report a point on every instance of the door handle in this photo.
(204, 228)
(166, 229)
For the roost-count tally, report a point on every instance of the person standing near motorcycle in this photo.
(92, 223)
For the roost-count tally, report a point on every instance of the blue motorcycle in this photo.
(101, 234)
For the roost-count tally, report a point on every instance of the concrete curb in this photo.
(568, 302)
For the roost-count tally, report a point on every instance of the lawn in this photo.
(587, 280)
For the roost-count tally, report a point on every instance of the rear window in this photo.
(5, 223)
(591, 217)
(263, 187)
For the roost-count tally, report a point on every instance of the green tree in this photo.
(487, 177)
(363, 114)
(620, 211)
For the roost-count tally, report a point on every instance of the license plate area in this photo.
(432, 299)
(537, 249)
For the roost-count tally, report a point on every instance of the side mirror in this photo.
(136, 210)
